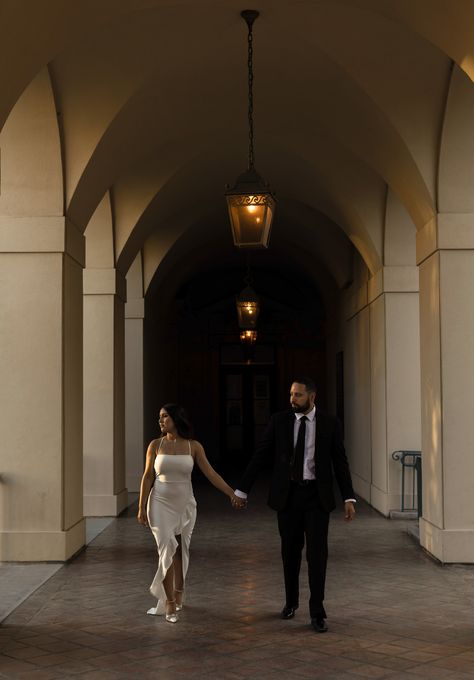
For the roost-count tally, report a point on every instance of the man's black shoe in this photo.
(288, 612)
(319, 625)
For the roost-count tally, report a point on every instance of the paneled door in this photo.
(247, 400)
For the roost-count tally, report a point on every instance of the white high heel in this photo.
(179, 606)
(172, 617)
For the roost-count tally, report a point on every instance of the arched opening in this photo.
(193, 353)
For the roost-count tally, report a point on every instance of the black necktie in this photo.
(299, 451)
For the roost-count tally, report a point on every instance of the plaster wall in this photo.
(457, 362)
(104, 417)
(119, 397)
(456, 168)
(430, 339)
(400, 234)
(72, 386)
(358, 401)
(134, 433)
(134, 406)
(31, 389)
(40, 407)
(31, 177)
(447, 527)
(378, 402)
(403, 405)
(98, 394)
(395, 389)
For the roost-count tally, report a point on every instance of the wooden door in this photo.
(247, 399)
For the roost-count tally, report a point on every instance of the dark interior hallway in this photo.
(193, 354)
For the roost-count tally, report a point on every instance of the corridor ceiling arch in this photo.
(129, 97)
(353, 198)
(112, 85)
(35, 38)
(147, 110)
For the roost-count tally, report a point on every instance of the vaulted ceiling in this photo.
(351, 99)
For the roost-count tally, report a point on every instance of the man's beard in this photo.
(302, 408)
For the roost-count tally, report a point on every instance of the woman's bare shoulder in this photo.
(154, 445)
(196, 447)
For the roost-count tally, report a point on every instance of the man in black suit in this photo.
(308, 450)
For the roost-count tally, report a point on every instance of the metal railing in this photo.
(411, 460)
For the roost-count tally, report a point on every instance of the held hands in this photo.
(349, 511)
(142, 518)
(238, 503)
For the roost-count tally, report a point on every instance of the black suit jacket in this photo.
(277, 443)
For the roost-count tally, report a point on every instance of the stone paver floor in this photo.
(392, 612)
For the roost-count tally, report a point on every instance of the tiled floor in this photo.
(19, 580)
(393, 613)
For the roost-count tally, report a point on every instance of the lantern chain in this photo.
(250, 96)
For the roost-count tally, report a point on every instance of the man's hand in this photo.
(238, 503)
(349, 511)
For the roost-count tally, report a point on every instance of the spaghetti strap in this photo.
(190, 450)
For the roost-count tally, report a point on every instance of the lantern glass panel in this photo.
(247, 313)
(251, 218)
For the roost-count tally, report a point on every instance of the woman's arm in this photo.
(215, 479)
(147, 482)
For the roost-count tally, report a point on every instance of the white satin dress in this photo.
(171, 511)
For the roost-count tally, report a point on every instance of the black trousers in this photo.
(304, 520)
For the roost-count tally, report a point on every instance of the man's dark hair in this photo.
(180, 419)
(306, 381)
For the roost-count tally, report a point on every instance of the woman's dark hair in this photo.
(180, 419)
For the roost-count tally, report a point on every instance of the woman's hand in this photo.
(142, 518)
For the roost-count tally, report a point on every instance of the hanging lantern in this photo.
(248, 308)
(250, 201)
(248, 337)
(251, 208)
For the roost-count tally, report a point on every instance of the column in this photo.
(105, 493)
(41, 260)
(394, 380)
(134, 443)
(445, 251)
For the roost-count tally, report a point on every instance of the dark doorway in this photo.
(247, 399)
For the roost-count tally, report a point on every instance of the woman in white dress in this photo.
(168, 507)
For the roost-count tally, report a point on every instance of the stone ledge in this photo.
(105, 505)
(406, 514)
(42, 546)
(104, 282)
(447, 545)
(42, 234)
